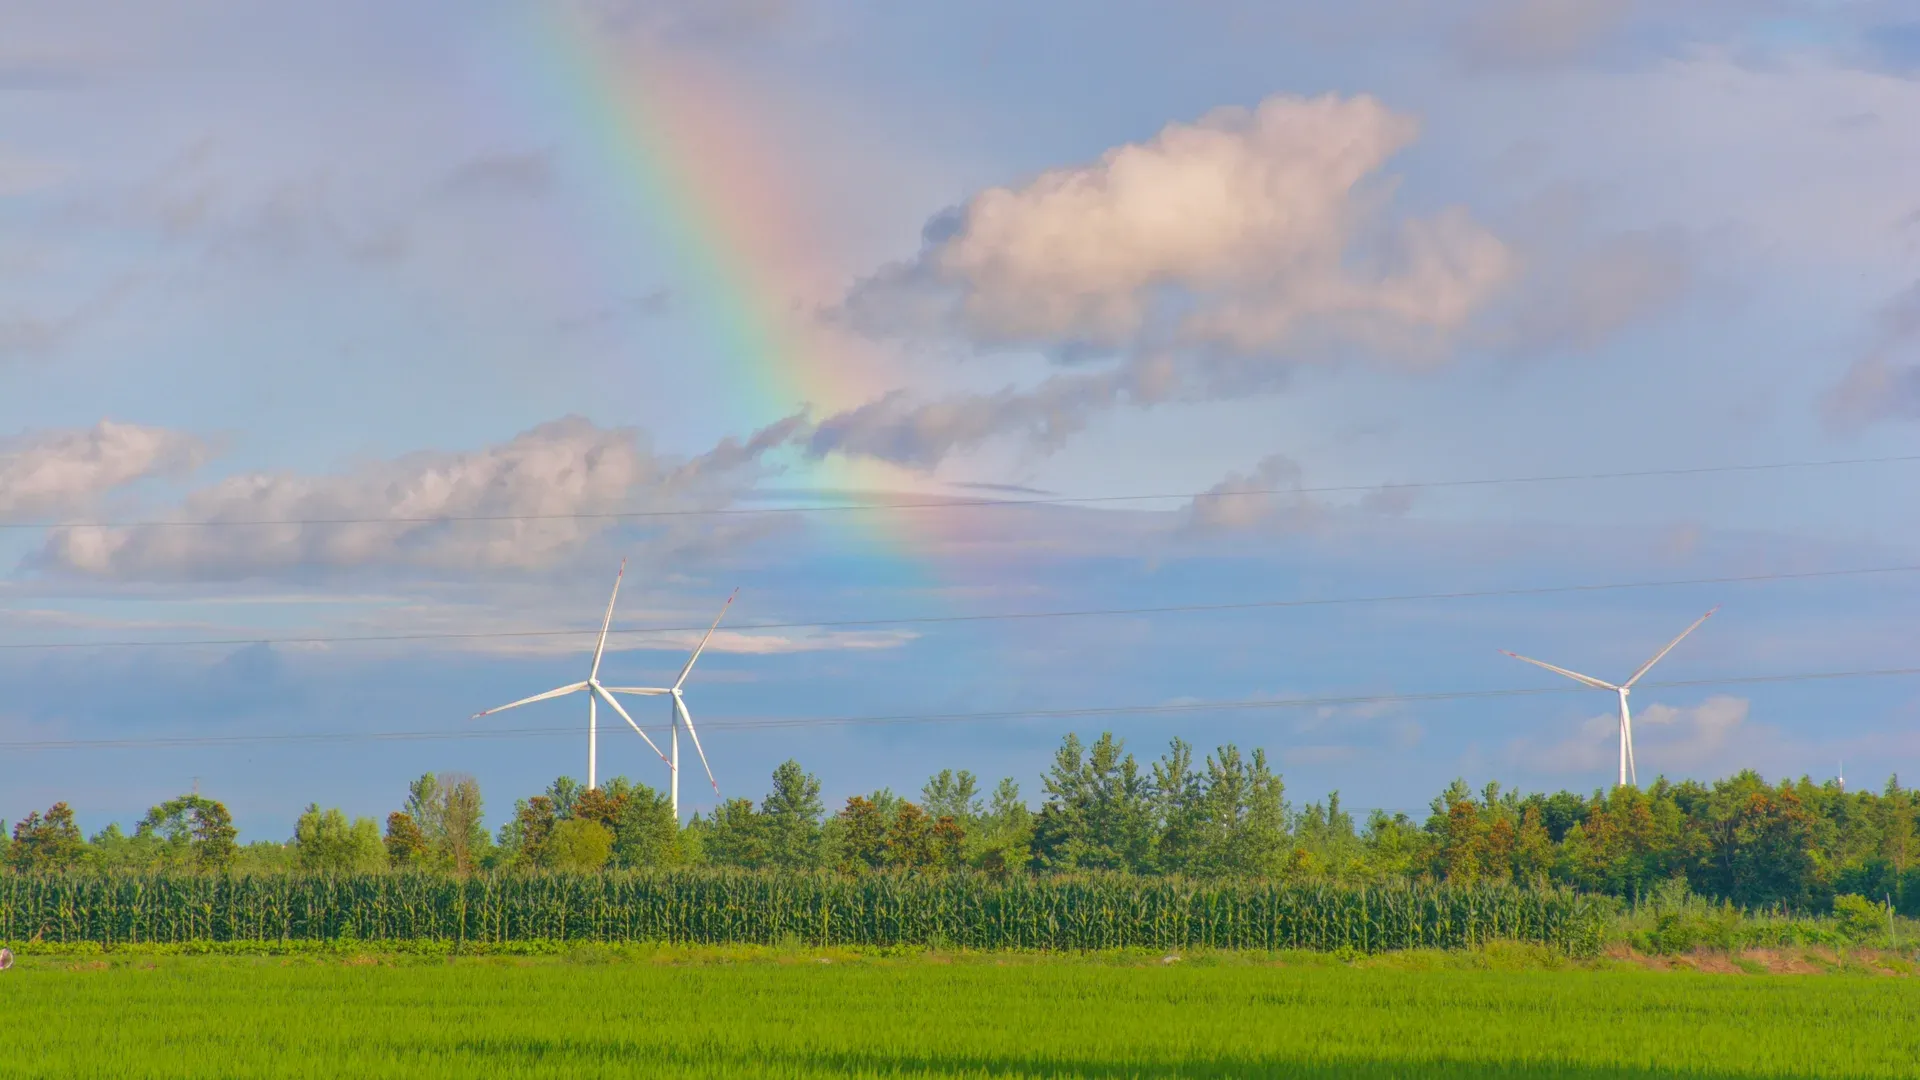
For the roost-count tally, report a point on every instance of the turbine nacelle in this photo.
(596, 693)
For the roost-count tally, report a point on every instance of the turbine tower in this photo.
(595, 693)
(680, 713)
(1622, 690)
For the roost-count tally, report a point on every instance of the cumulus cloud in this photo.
(1238, 231)
(55, 472)
(526, 492)
(1666, 739)
(1884, 384)
(1209, 259)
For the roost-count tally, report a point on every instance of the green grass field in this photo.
(792, 1015)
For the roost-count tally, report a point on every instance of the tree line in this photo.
(1793, 844)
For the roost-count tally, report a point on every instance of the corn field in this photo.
(720, 908)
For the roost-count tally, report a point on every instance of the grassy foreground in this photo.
(810, 1014)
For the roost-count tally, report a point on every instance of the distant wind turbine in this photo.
(1626, 716)
(680, 713)
(595, 693)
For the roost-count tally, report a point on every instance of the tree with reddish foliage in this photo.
(50, 843)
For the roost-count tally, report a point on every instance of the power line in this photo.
(925, 620)
(1249, 704)
(958, 504)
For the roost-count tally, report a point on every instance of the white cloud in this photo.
(1212, 259)
(1240, 231)
(1666, 739)
(391, 513)
(55, 472)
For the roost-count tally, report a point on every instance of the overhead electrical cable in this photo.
(1243, 705)
(1005, 616)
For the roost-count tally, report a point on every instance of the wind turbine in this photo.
(595, 693)
(680, 713)
(1623, 689)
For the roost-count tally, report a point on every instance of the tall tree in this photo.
(910, 838)
(863, 836)
(194, 831)
(791, 817)
(524, 840)
(563, 792)
(462, 820)
(644, 831)
(1245, 821)
(733, 836)
(1003, 842)
(449, 812)
(50, 843)
(1098, 815)
(952, 794)
(407, 846)
(1178, 809)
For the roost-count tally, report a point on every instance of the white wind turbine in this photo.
(595, 693)
(680, 713)
(1623, 689)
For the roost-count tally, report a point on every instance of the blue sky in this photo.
(367, 262)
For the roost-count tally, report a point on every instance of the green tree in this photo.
(115, 852)
(644, 830)
(1098, 815)
(563, 792)
(326, 842)
(790, 818)
(448, 811)
(194, 831)
(1003, 843)
(1325, 833)
(1244, 828)
(579, 845)
(952, 794)
(43, 844)
(1396, 847)
(733, 836)
(1532, 849)
(1178, 810)
(1758, 841)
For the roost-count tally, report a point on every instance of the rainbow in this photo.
(683, 154)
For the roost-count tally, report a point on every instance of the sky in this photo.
(347, 350)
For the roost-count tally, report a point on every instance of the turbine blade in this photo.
(1574, 675)
(570, 688)
(687, 718)
(637, 691)
(602, 694)
(685, 671)
(601, 648)
(1648, 666)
